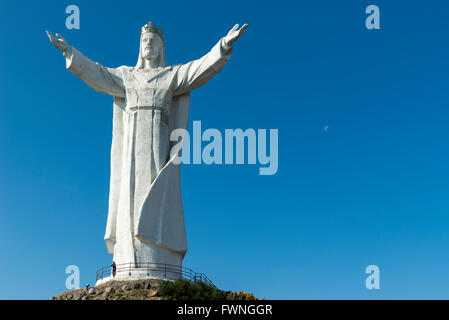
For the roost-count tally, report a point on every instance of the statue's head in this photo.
(152, 45)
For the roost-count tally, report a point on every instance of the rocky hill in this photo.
(152, 289)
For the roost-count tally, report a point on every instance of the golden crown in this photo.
(151, 27)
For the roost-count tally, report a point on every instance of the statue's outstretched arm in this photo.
(102, 79)
(198, 72)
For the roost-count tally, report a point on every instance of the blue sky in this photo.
(372, 189)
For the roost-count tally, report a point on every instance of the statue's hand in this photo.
(58, 41)
(234, 34)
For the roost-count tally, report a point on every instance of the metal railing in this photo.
(168, 270)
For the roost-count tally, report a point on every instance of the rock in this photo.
(152, 293)
(91, 291)
(125, 287)
(69, 296)
(136, 285)
(147, 285)
(108, 290)
(104, 296)
(133, 293)
(117, 291)
(84, 298)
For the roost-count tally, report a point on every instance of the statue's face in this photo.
(151, 45)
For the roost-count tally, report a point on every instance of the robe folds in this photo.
(145, 220)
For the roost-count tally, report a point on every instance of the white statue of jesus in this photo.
(146, 220)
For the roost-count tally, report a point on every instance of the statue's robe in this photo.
(146, 220)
